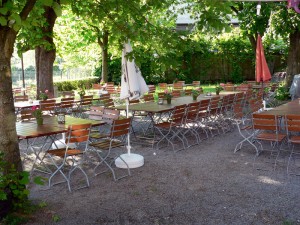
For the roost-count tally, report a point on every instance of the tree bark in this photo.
(8, 135)
(44, 58)
(293, 61)
(104, 47)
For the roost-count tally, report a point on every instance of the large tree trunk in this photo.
(293, 61)
(8, 136)
(104, 48)
(44, 58)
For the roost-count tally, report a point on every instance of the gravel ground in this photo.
(204, 184)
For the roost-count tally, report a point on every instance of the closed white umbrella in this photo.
(133, 86)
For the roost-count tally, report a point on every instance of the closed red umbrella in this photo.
(262, 69)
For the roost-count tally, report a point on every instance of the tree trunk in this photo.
(44, 58)
(8, 135)
(293, 62)
(104, 48)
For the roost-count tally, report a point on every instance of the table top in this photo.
(290, 108)
(30, 129)
(154, 107)
(28, 104)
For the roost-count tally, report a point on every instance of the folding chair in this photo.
(107, 146)
(21, 98)
(162, 86)
(66, 105)
(293, 131)
(68, 163)
(176, 93)
(267, 130)
(148, 98)
(213, 114)
(84, 106)
(245, 128)
(171, 128)
(48, 106)
(191, 121)
(202, 118)
(152, 89)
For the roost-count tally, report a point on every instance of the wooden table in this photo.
(154, 107)
(290, 108)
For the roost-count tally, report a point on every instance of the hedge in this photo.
(76, 84)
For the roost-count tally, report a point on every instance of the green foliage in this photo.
(282, 93)
(75, 84)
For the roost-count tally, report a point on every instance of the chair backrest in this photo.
(152, 89)
(26, 114)
(239, 97)
(110, 88)
(96, 112)
(188, 91)
(135, 101)
(196, 83)
(192, 111)
(48, 105)
(67, 102)
(111, 83)
(178, 114)
(68, 94)
(86, 100)
(149, 98)
(292, 123)
(21, 98)
(214, 102)
(238, 111)
(109, 103)
(17, 90)
(264, 122)
(109, 115)
(161, 94)
(78, 133)
(163, 86)
(120, 127)
(228, 87)
(178, 86)
(97, 86)
(176, 93)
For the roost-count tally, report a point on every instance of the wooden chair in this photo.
(229, 87)
(152, 89)
(77, 134)
(109, 103)
(26, 114)
(293, 129)
(196, 83)
(188, 91)
(163, 86)
(161, 95)
(108, 146)
(267, 129)
(110, 88)
(21, 98)
(48, 106)
(178, 86)
(135, 101)
(149, 98)
(68, 94)
(97, 86)
(66, 105)
(176, 93)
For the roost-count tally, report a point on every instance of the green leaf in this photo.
(57, 8)
(47, 2)
(65, 2)
(15, 17)
(3, 21)
(16, 27)
(3, 11)
(39, 180)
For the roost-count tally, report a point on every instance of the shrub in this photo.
(75, 84)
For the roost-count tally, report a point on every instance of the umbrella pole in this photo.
(128, 135)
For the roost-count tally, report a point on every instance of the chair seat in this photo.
(98, 135)
(295, 139)
(61, 152)
(105, 144)
(271, 137)
(166, 125)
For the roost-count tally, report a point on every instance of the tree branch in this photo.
(27, 9)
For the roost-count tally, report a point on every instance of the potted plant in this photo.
(38, 114)
(168, 96)
(218, 90)
(195, 93)
(81, 92)
(43, 95)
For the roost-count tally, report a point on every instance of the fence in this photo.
(30, 76)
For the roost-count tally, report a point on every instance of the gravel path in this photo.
(205, 184)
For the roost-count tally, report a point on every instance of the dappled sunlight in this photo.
(268, 180)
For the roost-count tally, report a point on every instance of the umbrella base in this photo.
(132, 160)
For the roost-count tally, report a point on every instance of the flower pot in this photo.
(195, 97)
(169, 100)
(39, 121)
